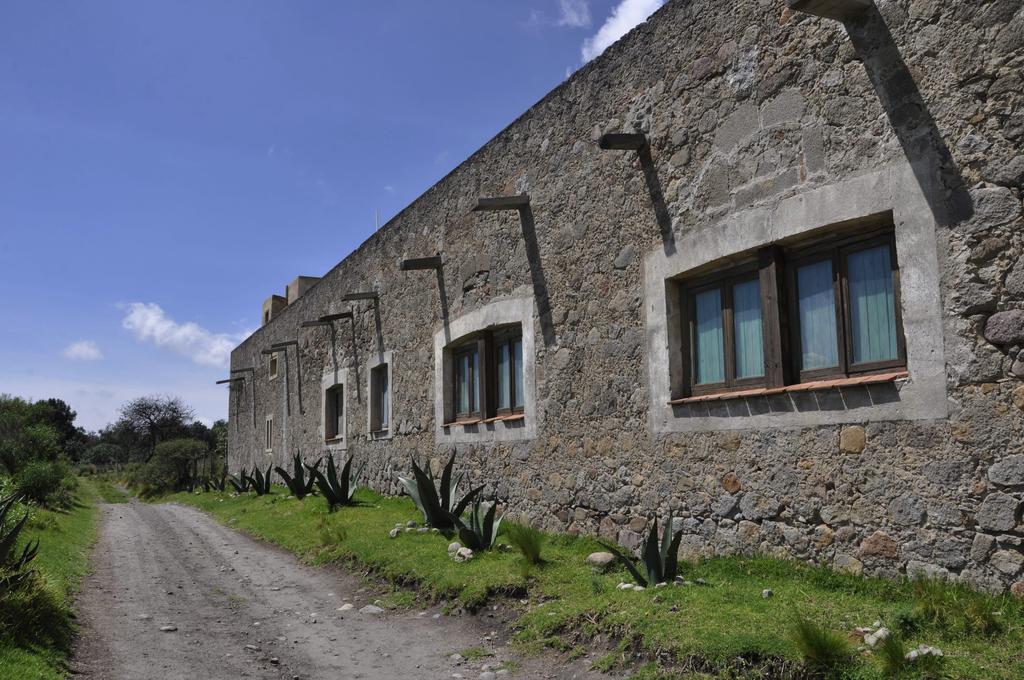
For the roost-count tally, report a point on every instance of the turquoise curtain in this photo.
(710, 339)
(517, 363)
(504, 368)
(817, 311)
(872, 305)
(747, 329)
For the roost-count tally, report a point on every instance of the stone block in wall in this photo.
(998, 512)
(879, 544)
(852, 439)
(767, 187)
(756, 506)
(1008, 472)
(906, 511)
(787, 107)
(737, 127)
(1005, 328)
(1008, 562)
(814, 150)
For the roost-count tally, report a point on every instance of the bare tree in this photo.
(153, 418)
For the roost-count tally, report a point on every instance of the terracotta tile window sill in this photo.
(873, 379)
(507, 418)
(477, 421)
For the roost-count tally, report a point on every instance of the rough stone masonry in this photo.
(762, 125)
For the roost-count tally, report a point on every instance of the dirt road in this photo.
(243, 609)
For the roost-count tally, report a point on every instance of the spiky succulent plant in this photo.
(338, 490)
(439, 503)
(260, 481)
(480, 528)
(661, 561)
(13, 565)
(298, 483)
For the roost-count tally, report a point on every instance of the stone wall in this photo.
(750, 110)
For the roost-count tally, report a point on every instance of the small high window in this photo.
(273, 366)
(380, 399)
(334, 413)
(792, 315)
(269, 435)
(487, 375)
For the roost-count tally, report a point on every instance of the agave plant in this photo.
(337, 490)
(242, 482)
(440, 509)
(297, 483)
(661, 562)
(13, 571)
(479, 532)
(260, 481)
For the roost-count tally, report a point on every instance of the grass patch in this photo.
(723, 627)
(65, 538)
(110, 493)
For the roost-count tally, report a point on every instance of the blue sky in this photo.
(165, 166)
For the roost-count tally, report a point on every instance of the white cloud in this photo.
(151, 324)
(83, 350)
(625, 16)
(574, 13)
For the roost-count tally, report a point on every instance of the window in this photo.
(487, 376)
(508, 372)
(795, 315)
(269, 444)
(334, 413)
(380, 399)
(273, 366)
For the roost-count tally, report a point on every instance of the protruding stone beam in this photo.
(230, 380)
(615, 141)
(352, 297)
(252, 383)
(840, 10)
(419, 263)
(517, 202)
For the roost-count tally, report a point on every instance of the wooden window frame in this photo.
(332, 432)
(775, 267)
(485, 343)
(499, 338)
(724, 280)
(475, 412)
(377, 409)
(839, 251)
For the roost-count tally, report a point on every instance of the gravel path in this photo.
(243, 609)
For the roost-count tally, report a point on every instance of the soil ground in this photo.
(244, 609)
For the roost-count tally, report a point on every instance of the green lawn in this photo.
(65, 538)
(720, 627)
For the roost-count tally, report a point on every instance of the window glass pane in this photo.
(747, 330)
(817, 303)
(383, 397)
(872, 305)
(339, 411)
(710, 338)
(462, 384)
(503, 382)
(517, 356)
(475, 396)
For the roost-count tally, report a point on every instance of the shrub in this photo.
(41, 482)
(527, 540)
(661, 562)
(822, 649)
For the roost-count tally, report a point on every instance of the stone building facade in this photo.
(743, 136)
